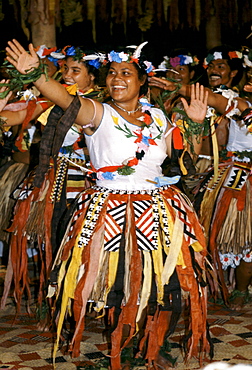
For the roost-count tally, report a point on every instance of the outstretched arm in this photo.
(15, 114)
(216, 101)
(25, 62)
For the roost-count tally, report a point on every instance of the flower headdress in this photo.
(172, 62)
(247, 57)
(131, 57)
(219, 55)
(95, 59)
(44, 52)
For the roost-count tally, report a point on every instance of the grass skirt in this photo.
(225, 213)
(160, 235)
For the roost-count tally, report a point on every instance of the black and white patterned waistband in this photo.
(117, 191)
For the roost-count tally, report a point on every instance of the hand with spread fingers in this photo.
(197, 108)
(23, 61)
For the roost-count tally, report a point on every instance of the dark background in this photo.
(234, 18)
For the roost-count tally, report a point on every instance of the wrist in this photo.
(18, 80)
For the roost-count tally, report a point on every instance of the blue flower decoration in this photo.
(115, 56)
(108, 175)
(54, 60)
(145, 103)
(71, 51)
(182, 59)
(95, 63)
(148, 70)
(145, 140)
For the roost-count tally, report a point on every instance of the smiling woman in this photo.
(133, 240)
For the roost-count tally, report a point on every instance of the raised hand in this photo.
(23, 61)
(197, 108)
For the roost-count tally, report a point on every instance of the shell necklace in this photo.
(125, 110)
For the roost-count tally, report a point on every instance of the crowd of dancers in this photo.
(130, 186)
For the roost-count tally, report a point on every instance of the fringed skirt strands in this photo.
(37, 214)
(10, 179)
(225, 213)
(141, 242)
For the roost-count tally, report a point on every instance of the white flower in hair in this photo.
(188, 59)
(114, 56)
(40, 51)
(247, 62)
(217, 55)
(123, 56)
(162, 65)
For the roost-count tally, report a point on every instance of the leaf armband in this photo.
(18, 80)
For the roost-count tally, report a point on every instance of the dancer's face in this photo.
(75, 72)
(219, 73)
(184, 74)
(123, 81)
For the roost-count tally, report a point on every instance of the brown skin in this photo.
(216, 101)
(76, 72)
(248, 88)
(219, 73)
(123, 84)
(243, 277)
(182, 74)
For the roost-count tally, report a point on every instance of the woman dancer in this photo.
(46, 193)
(133, 243)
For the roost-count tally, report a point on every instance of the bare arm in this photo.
(16, 118)
(216, 101)
(51, 89)
(4, 101)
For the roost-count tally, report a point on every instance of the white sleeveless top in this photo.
(71, 137)
(116, 141)
(239, 138)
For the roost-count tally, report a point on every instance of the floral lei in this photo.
(143, 139)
